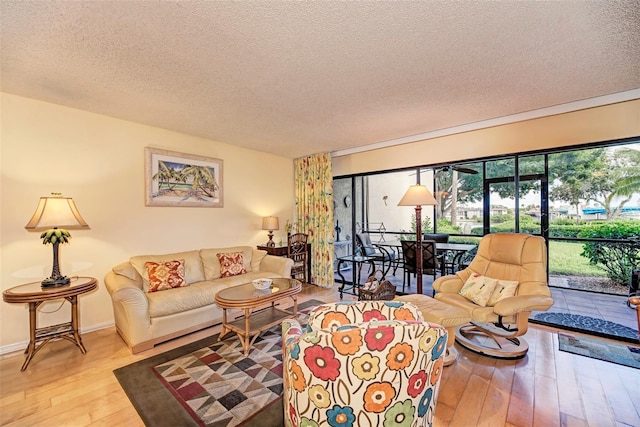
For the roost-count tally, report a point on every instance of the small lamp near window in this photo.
(270, 223)
(56, 214)
(418, 196)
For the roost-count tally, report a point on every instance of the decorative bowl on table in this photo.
(262, 283)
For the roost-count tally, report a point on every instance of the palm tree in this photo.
(202, 180)
(166, 176)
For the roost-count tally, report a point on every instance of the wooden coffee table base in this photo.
(260, 311)
(249, 326)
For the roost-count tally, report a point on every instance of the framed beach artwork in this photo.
(178, 179)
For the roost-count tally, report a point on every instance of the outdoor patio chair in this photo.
(379, 253)
(430, 263)
(446, 264)
(504, 283)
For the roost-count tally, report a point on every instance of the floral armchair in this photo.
(374, 363)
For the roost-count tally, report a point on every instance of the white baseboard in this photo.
(20, 346)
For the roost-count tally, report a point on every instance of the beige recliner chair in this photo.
(498, 323)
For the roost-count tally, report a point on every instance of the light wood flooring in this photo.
(63, 387)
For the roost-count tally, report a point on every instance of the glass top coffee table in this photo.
(256, 319)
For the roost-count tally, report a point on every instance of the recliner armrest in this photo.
(513, 305)
(448, 284)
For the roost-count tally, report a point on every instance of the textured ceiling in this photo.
(296, 78)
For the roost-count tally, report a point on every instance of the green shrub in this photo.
(499, 219)
(444, 226)
(565, 230)
(617, 259)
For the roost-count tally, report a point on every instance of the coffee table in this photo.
(246, 297)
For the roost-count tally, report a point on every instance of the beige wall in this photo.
(605, 123)
(99, 161)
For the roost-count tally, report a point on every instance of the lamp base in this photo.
(270, 243)
(52, 283)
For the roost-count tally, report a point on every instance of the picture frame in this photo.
(185, 180)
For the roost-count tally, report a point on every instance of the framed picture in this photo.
(178, 179)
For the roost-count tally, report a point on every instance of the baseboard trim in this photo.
(20, 346)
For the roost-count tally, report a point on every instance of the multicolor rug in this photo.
(600, 349)
(211, 383)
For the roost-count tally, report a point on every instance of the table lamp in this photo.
(270, 223)
(418, 196)
(56, 214)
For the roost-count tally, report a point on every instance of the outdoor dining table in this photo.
(457, 249)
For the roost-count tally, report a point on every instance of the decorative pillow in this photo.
(478, 289)
(165, 275)
(231, 264)
(504, 289)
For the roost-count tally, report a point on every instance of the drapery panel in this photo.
(314, 213)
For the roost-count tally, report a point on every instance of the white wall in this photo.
(99, 161)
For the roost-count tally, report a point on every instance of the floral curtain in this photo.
(314, 213)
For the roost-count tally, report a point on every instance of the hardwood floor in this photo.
(63, 387)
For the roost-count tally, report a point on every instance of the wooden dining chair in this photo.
(297, 251)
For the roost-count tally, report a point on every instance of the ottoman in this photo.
(435, 311)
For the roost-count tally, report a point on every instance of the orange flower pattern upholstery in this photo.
(231, 264)
(375, 363)
(165, 275)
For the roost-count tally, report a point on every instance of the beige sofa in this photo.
(145, 319)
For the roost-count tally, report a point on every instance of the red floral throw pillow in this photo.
(231, 264)
(165, 275)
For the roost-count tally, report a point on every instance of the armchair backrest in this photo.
(334, 315)
(511, 256)
(366, 373)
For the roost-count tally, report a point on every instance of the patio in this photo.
(606, 307)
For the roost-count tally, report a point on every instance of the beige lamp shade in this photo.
(270, 223)
(56, 211)
(417, 195)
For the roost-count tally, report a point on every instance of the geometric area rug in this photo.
(600, 349)
(211, 382)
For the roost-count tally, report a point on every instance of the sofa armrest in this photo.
(130, 308)
(277, 264)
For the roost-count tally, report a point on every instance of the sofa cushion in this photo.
(192, 265)
(178, 300)
(165, 275)
(231, 264)
(211, 264)
(196, 295)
